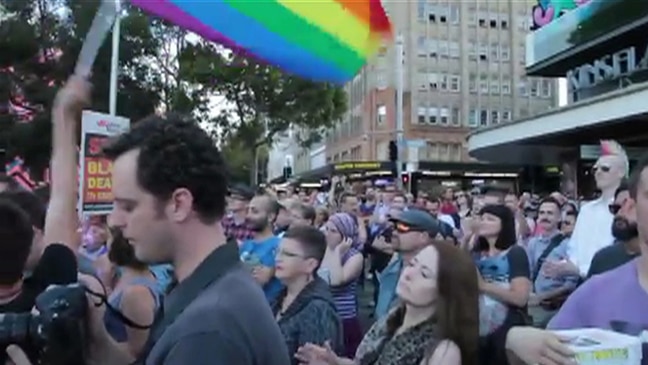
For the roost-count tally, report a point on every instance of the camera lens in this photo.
(14, 328)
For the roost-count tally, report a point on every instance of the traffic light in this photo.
(406, 179)
(393, 151)
(287, 172)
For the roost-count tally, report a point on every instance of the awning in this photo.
(542, 138)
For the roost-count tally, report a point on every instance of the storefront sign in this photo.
(611, 67)
(346, 166)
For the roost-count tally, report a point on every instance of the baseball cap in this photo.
(419, 219)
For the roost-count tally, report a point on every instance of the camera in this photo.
(55, 334)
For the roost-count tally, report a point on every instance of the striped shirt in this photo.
(345, 297)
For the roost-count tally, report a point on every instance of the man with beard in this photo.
(624, 230)
(259, 251)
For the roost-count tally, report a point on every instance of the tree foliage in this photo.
(37, 56)
(263, 101)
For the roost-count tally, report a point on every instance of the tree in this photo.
(263, 101)
(38, 55)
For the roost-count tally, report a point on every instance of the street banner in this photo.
(95, 178)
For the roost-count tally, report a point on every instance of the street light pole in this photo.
(114, 61)
(399, 109)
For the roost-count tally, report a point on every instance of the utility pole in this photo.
(399, 109)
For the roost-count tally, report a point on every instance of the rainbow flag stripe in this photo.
(322, 40)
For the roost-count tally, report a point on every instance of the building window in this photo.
(433, 114)
(443, 152)
(472, 118)
(444, 116)
(432, 151)
(381, 114)
(494, 86)
(472, 51)
(504, 21)
(483, 52)
(456, 116)
(420, 9)
(495, 117)
(382, 150)
(472, 84)
(506, 116)
(483, 117)
(454, 49)
(546, 88)
(444, 49)
(483, 84)
(522, 86)
(422, 118)
(535, 88)
(494, 51)
(433, 80)
(506, 86)
(433, 47)
(444, 82)
(505, 52)
(454, 14)
(455, 83)
(420, 46)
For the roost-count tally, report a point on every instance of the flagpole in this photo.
(114, 63)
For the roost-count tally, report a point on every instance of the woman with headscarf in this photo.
(341, 268)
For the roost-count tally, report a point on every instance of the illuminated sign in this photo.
(549, 10)
(610, 67)
(356, 166)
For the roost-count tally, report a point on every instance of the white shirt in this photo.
(592, 232)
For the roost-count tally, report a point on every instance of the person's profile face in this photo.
(641, 204)
(140, 216)
(417, 284)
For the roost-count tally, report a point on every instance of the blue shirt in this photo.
(262, 253)
(543, 283)
(388, 279)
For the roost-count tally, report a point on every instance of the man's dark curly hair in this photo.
(174, 152)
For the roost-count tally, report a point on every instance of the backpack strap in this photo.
(555, 242)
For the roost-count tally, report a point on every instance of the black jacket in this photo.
(310, 318)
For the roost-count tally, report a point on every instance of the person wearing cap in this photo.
(414, 229)
(235, 225)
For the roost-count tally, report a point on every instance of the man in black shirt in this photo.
(625, 232)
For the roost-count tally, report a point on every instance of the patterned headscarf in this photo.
(347, 226)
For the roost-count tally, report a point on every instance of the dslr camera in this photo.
(55, 334)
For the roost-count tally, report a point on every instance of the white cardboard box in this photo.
(595, 346)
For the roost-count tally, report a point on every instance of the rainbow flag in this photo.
(321, 40)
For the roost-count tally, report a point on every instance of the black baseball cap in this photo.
(419, 219)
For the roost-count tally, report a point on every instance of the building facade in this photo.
(463, 69)
(282, 154)
(601, 49)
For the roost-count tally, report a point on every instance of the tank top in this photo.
(345, 296)
(115, 327)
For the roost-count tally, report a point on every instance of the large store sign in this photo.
(610, 67)
(546, 11)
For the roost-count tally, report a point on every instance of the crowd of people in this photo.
(227, 274)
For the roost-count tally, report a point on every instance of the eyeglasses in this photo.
(614, 208)
(603, 168)
(290, 255)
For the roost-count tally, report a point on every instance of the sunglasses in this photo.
(614, 208)
(603, 168)
(404, 228)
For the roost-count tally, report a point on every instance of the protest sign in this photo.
(96, 171)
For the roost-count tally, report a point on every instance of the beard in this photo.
(258, 225)
(624, 230)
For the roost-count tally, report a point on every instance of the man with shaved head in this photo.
(259, 251)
